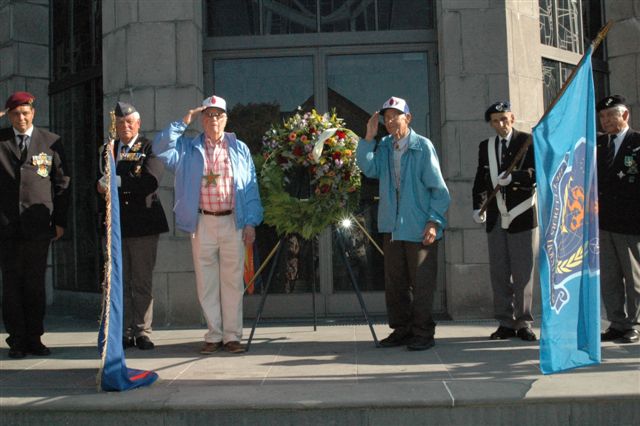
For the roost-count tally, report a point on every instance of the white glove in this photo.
(103, 182)
(504, 180)
(477, 218)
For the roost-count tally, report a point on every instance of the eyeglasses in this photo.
(215, 115)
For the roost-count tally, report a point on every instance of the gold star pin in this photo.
(210, 178)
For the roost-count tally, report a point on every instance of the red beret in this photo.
(19, 98)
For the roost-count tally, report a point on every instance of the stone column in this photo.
(623, 51)
(152, 58)
(488, 51)
(24, 53)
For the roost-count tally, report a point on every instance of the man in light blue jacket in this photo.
(413, 202)
(217, 201)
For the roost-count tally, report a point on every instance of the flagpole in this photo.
(106, 288)
(523, 149)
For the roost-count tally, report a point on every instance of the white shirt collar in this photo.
(508, 138)
(29, 132)
(131, 142)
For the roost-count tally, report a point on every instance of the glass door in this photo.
(262, 90)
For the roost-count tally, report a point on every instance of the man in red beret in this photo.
(33, 208)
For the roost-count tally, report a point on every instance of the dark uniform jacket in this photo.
(140, 210)
(34, 195)
(522, 184)
(619, 185)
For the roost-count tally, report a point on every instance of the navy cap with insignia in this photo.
(610, 102)
(123, 109)
(501, 106)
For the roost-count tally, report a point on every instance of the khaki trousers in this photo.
(218, 260)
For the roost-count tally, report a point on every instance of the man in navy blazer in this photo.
(34, 198)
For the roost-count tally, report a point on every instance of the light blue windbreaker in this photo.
(185, 157)
(424, 195)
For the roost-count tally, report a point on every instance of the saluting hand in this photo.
(372, 126)
(187, 118)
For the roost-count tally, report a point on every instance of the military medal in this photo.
(42, 161)
(210, 178)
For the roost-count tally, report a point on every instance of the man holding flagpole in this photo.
(619, 205)
(510, 222)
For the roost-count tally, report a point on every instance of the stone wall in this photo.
(152, 58)
(623, 50)
(487, 52)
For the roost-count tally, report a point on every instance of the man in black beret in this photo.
(619, 206)
(34, 198)
(142, 219)
(511, 222)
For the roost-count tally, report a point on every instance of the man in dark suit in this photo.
(619, 206)
(511, 222)
(34, 199)
(142, 219)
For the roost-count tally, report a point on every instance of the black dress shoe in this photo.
(631, 336)
(16, 353)
(421, 343)
(397, 338)
(128, 342)
(144, 343)
(611, 334)
(38, 349)
(526, 334)
(503, 333)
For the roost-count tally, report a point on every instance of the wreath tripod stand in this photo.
(338, 237)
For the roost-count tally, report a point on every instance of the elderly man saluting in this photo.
(413, 203)
(217, 201)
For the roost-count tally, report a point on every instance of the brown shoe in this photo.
(234, 347)
(210, 348)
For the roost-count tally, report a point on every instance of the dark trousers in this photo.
(620, 279)
(410, 271)
(138, 261)
(24, 263)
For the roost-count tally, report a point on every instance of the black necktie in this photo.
(611, 150)
(22, 146)
(503, 155)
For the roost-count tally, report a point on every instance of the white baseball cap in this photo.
(214, 101)
(395, 103)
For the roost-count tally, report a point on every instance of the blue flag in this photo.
(565, 154)
(114, 374)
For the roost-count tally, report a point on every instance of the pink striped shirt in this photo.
(216, 190)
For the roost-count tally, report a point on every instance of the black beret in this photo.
(502, 106)
(19, 98)
(610, 102)
(123, 109)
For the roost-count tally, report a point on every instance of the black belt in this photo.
(220, 213)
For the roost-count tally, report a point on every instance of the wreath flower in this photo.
(320, 148)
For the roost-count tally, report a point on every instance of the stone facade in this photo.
(623, 52)
(487, 50)
(478, 68)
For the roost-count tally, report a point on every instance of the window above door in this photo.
(226, 18)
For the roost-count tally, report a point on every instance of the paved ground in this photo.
(335, 375)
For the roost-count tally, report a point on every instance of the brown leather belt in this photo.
(220, 213)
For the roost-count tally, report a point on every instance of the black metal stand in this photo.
(354, 284)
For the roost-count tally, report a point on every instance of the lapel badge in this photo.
(43, 162)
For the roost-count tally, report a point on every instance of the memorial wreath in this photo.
(309, 178)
